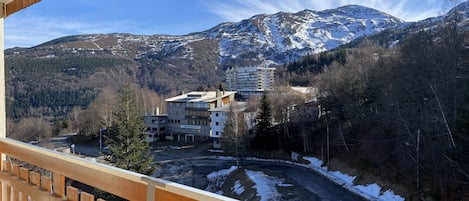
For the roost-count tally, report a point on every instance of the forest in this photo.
(30, 81)
(400, 113)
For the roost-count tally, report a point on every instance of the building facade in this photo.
(189, 115)
(250, 80)
(219, 116)
(156, 127)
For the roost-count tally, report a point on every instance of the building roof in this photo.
(237, 107)
(13, 6)
(200, 96)
(248, 69)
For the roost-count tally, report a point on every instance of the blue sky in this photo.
(51, 19)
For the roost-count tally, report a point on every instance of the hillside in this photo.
(398, 115)
(51, 78)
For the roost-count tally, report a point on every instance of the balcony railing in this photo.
(21, 183)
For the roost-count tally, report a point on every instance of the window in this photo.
(217, 133)
(216, 123)
(216, 114)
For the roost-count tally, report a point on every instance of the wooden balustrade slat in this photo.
(15, 170)
(8, 192)
(25, 188)
(100, 199)
(84, 196)
(24, 196)
(6, 166)
(24, 174)
(59, 185)
(72, 193)
(15, 192)
(35, 178)
(45, 183)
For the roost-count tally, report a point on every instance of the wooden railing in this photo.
(58, 169)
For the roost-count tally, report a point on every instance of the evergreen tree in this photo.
(264, 134)
(128, 147)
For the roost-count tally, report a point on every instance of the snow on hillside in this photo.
(265, 185)
(216, 180)
(262, 39)
(299, 33)
(369, 191)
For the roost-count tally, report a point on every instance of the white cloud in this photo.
(25, 30)
(240, 9)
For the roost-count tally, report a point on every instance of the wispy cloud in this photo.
(239, 9)
(33, 30)
(28, 29)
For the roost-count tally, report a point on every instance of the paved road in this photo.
(319, 186)
(308, 185)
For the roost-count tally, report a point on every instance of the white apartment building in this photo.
(189, 115)
(250, 80)
(219, 115)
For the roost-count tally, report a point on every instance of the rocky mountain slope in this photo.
(78, 66)
(262, 39)
(458, 15)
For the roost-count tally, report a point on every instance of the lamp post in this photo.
(73, 148)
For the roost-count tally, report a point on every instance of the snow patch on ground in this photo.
(216, 180)
(238, 188)
(225, 158)
(265, 185)
(215, 151)
(370, 191)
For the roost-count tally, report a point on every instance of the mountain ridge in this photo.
(170, 64)
(282, 36)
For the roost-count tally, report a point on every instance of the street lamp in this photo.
(73, 148)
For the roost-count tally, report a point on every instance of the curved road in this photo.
(308, 184)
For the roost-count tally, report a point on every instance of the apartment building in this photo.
(189, 115)
(156, 125)
(250, 80)
(219, 116)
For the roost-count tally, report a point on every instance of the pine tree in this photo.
(264, 134)
(128, 147)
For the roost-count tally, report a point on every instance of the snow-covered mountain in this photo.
(391, 37)
(262, 39)
(283, 37)
(78, 66)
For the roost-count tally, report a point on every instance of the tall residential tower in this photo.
(250, 80)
